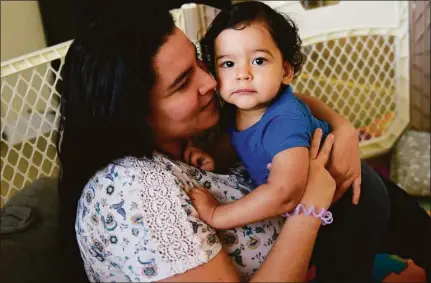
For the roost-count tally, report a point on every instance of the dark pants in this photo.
(409, 229)
(345, 250)
(386, 220)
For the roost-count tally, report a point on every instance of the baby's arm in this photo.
(285, 186)
(198, 158)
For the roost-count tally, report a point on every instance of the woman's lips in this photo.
(208, 103)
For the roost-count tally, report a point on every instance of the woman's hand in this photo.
(320, 186)
(198, 158)
(345, 164)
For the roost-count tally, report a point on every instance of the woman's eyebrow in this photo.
(184, 74)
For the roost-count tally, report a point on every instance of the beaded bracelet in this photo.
(324, 215)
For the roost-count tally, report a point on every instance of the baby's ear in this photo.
(288, 73)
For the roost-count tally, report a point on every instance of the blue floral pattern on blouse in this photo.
(135, 222)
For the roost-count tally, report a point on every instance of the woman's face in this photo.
(182, 100)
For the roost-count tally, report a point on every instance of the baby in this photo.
(254, 53)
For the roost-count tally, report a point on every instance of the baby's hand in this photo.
(205, 204)
(198, 158)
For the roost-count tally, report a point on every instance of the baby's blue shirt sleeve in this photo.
(284, 132)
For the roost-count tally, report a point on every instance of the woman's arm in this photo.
(345, 161)
(300, 232)
(295, 242)
(218, 269)
(322, 111)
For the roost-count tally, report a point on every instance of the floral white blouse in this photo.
(135, 222)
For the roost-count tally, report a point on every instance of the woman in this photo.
(128, 109)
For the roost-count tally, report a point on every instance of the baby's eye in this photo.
(227, 64)
(259, 61)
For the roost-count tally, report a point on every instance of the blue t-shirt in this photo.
(287, 123)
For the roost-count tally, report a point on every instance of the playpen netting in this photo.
(356, 77)
(356, 72)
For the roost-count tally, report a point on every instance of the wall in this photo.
(21, 28)
(420, 64)
(21, 32)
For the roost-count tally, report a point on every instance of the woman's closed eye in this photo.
(200, 64)
(259, 61)
(184, 84)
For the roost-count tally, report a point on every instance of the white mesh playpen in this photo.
(357, 62)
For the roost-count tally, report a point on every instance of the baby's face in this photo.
(249, 67)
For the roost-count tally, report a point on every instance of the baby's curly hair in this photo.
(283, 30)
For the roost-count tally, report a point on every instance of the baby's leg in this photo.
(345, 249)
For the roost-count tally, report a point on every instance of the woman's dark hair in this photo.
(283, 30)
(107, 76)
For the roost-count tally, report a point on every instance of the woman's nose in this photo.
(209, 83)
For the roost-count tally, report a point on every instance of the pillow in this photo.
(410, 163)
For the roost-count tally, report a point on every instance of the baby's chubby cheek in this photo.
(224, 91)
(224, 94)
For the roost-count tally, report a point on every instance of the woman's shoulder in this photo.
(135, 168)
(137, 177)
(141, 165)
